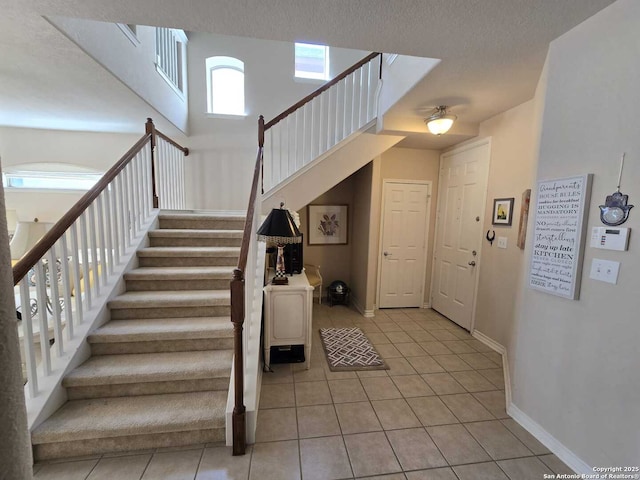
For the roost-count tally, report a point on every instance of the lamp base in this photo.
(280, 281)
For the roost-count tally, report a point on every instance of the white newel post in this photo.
(15, 443)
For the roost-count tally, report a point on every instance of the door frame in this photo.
(456, 150)
(429, 185)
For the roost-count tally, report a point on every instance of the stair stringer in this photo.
(328, 170)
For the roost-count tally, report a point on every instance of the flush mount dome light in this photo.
(439, 122)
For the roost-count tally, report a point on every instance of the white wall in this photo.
(98, 151)
(132, 63)
(511, 171)
(361, 237)
(402, 164)
(576, 363)
(335, 260)
(223, 150)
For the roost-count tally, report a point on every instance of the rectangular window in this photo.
(50, 180)
(312, 61)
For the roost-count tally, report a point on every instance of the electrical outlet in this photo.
(604, 270)
(502, 242)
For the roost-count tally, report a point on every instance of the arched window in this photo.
(225, 86)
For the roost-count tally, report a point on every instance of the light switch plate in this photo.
(502, 242)
(604, 270)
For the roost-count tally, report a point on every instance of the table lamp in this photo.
(279, 228)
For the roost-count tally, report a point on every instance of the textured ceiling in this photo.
(492, 51)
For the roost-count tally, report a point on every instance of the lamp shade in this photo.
(279, 228)
(440, 121)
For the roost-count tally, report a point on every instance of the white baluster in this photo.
(110, 231)
(102, 239)
(322, 126)
(331, 117)
(135, 196)
(306, 127)
(75, 262)
(66, 285)
(126, 184)
(54, 298)
(182, 181)
(85, 261)
(290, 146)
(41, 297)
(27, 338)
(95, 260)
(339, 110)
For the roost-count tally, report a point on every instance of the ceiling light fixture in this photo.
(439, 122)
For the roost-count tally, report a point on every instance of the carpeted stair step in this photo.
(178, 278)
(150, 373)
(173, 303)
(195, 238)
(147, 335)
(188, 256)
(88, 427)
(201, 221)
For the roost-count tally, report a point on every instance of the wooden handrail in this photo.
(51, 237)
(324, 87)
(246, 234)
(185, 150)
(237, 287)
(22, 267)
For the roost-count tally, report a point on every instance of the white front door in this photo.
(404, 243)
(461, 201)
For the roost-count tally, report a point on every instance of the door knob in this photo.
(472, 263)
(386, 254)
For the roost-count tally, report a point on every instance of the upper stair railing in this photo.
(318, 122)
(57, 281)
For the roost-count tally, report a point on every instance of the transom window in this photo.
(49, 177)
(311, 61)
(225, 86)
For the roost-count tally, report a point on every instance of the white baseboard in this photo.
(549, 441)
(363, 311)
(544, 437)
(490, 342)
(501, 349)
(426, 305)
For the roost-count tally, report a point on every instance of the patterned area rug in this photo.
(349, 349)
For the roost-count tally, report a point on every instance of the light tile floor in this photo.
(438, 413)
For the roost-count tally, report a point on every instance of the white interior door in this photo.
(461, 200)
(404, 243)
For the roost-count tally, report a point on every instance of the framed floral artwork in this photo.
(327, 224)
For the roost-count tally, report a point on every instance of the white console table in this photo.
(287, 316)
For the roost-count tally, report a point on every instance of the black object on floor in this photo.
(287, 354)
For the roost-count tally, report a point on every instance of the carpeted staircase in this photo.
(159, 371)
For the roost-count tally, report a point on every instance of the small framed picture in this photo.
(502, 211)
(327, 224)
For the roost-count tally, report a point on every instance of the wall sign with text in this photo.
(558, 238)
